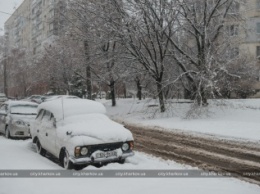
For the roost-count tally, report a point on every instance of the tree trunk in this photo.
(88, 71)
(160, 95)
(201, 97)
(112, 89)
(139, 89)
(124, 85)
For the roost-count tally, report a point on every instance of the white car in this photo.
(55, 97)
(3, 98)
(78, 133)
(15, 118)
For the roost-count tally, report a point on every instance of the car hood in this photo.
(92, 129)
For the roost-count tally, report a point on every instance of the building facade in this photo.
(252, 38)
(33, 23)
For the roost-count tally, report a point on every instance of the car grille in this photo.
(104, 147)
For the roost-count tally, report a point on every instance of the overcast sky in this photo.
(7, 6)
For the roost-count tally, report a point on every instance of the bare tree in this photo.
(143, 30)
(207, 44)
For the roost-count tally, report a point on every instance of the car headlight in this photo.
(19, 122)
(125, 147)
(84, 151)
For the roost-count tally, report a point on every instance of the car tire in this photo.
(7, 133)
(67, 164)
(122, 161)
(39, 149)
(79, 167)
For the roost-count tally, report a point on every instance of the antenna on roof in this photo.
(62, 107)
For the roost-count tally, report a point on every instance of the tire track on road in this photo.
(220, 155)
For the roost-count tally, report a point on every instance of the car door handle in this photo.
(46, 134)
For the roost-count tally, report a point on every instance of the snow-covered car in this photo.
(35, 98)
(15, 118)
(3, 98)
(78, 133)
(55, 97)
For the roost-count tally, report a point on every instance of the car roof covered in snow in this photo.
(64, 107)
(20, 102)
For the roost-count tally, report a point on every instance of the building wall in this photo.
(252, 39)
(17, 27)
(32, 24)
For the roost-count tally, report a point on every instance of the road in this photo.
(242, 159)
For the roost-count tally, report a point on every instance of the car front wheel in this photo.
(39, 149)
(7, 133)
(67, 164)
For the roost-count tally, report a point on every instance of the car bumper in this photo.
(19, 132)
(91, 160)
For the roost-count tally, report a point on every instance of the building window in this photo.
(258, 52)
(257, 4)
(234, 8)
(258, 28)
(232, 30)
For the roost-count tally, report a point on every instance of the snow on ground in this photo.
(18, 154)
(226, 118)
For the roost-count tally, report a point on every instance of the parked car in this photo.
(3, 98)
(54, 97)
(78, 132)
(15, 118)
(36, 98)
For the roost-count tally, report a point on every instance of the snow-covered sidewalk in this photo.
(239, 119)
(16, 155)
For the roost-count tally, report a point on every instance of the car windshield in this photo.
(24, 109)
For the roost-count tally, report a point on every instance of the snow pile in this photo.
(97, 127)
(71, 107)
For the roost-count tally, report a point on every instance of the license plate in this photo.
(106, 154)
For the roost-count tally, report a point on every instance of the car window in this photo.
(3, 108)
(40, 114)
(52, 117)
(23, 109)
(46, 116)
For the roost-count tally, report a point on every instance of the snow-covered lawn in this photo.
(228, 119)
(17, 154)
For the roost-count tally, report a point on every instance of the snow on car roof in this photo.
(19, 102)
(71, 107)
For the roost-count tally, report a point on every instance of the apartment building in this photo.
(252, 39)
(251, 43)
(33, 23)
(18, 27)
